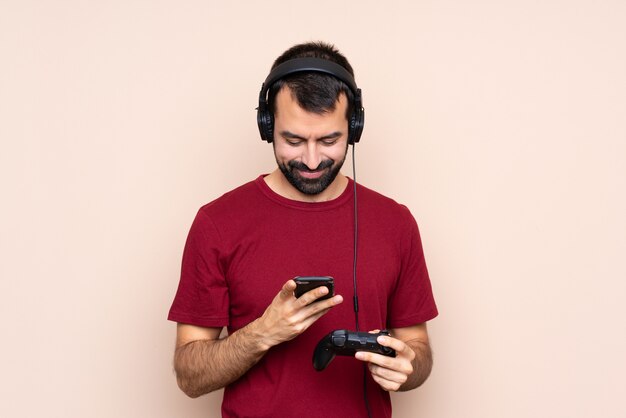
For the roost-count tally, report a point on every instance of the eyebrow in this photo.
(291, 135)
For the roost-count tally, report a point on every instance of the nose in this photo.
(311, 156)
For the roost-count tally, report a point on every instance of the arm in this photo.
(196, 347)
(412, 364)
(204, 363)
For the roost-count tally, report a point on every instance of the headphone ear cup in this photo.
(357, 121)
(265, 121)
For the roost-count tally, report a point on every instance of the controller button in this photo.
(339, 341)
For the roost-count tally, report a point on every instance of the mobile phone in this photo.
(306, 283)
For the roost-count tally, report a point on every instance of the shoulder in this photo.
(382, 216)
(234, 201)
(381, 204)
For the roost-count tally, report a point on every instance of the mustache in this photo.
(298, 165)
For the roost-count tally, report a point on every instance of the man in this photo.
(245, 247)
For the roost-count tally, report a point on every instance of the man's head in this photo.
(310, 109)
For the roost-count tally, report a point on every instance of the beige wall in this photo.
(501, 124)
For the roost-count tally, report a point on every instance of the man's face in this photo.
(310, 148)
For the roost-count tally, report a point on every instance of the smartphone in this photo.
(306, 283)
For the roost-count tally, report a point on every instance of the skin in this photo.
(412, 364)
(309, 138)
(203, 362)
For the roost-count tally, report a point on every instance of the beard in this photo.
(311, 186)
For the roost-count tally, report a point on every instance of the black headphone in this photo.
(265, 118)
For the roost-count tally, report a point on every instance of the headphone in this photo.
(265, 117)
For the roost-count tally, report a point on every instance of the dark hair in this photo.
(315, 92)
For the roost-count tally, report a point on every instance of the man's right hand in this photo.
(204, 363)
(287, 316)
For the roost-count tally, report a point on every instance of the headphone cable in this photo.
(356, 297)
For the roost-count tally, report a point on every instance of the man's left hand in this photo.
(390, 372)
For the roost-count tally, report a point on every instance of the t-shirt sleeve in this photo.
(202, 295)
(412, 301)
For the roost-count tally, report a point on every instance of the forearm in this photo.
(207, 363)
(203, 366)
(422, 364)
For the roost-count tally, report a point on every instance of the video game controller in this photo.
(346, 343)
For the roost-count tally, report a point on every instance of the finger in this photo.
(396, 364)
(326, 304)
(312, 295)
(315, 308)
(287, 290)
(304, 323)
(310, 320)
(375, 331)
(308, 297)
(375, 358)
(307, 315)
(391, 342)
(393, 363)
(386, 384)
(387, 374)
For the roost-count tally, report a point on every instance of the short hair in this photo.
(314, 91)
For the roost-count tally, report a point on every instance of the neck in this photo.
(281, 186)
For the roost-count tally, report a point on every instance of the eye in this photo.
(330, 141)
(292, 140)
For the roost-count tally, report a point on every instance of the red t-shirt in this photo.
(245, 245)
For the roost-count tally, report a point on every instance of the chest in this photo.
(272, 252)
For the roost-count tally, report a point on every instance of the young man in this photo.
(245, 247)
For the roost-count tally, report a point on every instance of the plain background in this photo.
(500, 124)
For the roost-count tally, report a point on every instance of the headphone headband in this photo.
(300, 65)
(265, 118)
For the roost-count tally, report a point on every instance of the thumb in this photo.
(287, 290)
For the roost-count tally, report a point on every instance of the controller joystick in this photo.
(342, 342)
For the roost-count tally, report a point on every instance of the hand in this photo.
(287, 317)
(389, 372)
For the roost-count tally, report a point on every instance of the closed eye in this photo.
(291, 138)
(295, 140)
(330, 139)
